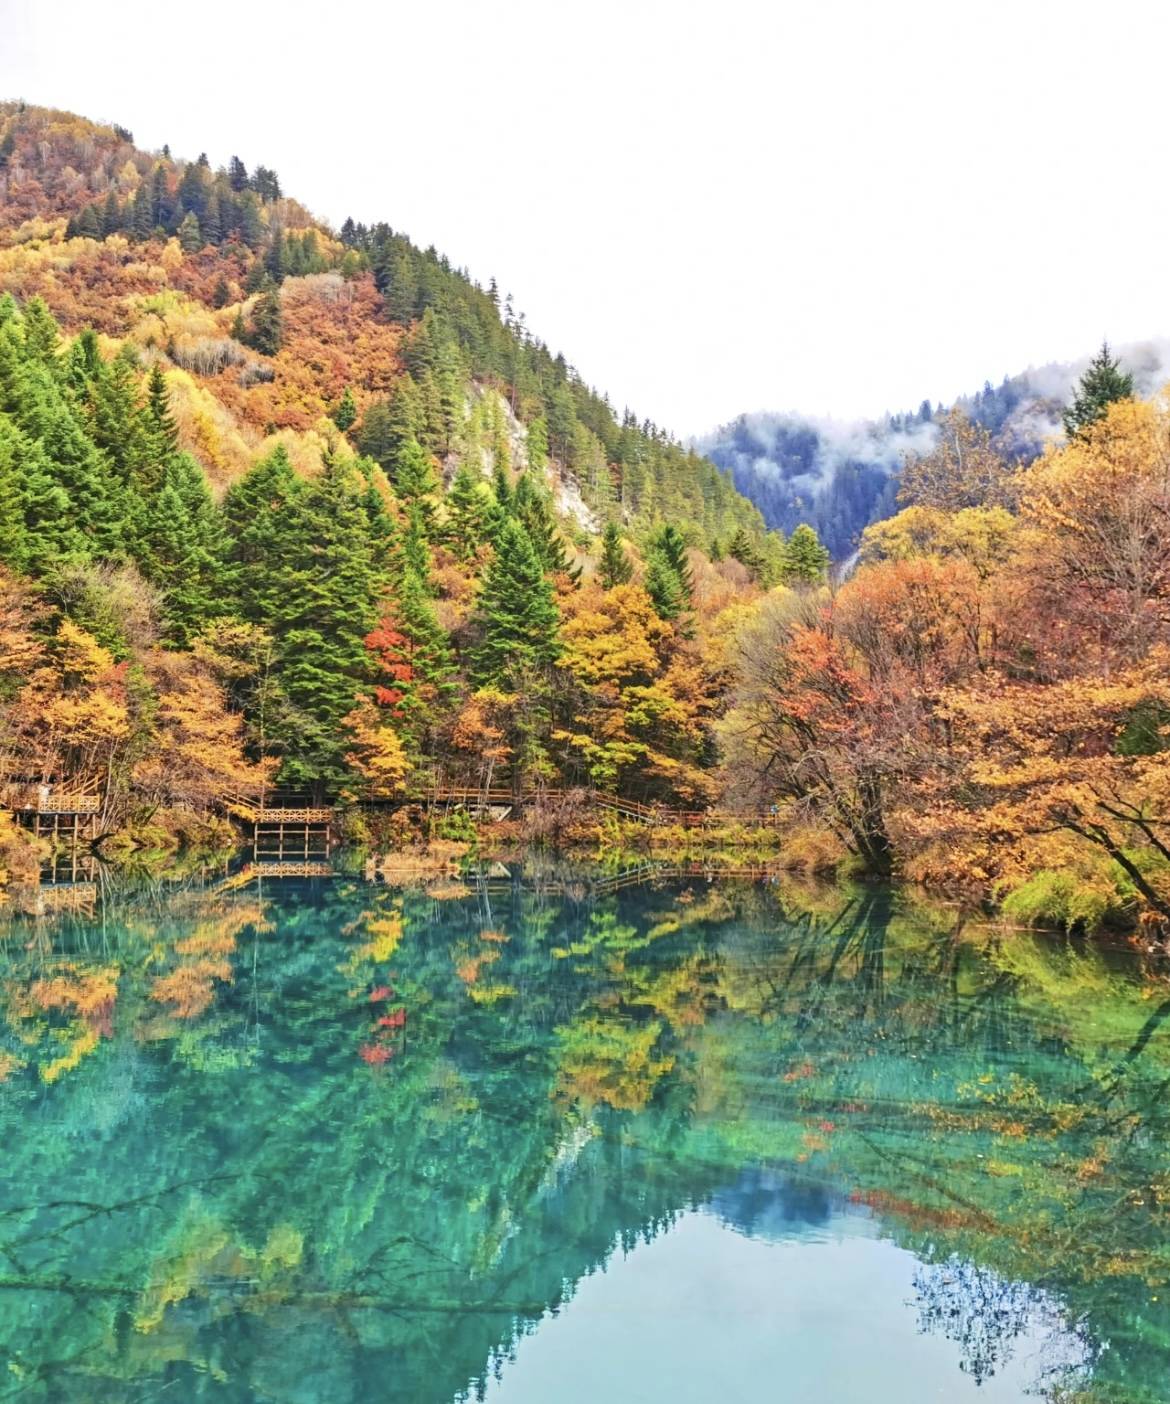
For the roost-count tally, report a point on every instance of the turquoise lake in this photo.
(314, 1140)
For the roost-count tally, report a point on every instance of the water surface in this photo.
(318, 1141)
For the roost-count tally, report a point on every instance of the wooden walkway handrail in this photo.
(256, 811)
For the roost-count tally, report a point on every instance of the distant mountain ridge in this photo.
(840, 475)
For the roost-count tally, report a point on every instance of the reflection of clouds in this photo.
(766, 1203)
(989, 1317)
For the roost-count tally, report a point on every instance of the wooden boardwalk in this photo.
(284, 828)
(56, 812)
(650, 814)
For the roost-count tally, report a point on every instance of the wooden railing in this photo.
(260, 811)
(616, 804)
(49, 800)
(263, 812)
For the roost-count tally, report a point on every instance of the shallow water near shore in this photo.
(318, 1140)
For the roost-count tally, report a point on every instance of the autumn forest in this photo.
(289, 507)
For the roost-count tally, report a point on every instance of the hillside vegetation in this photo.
(284, 506)
(841, 475)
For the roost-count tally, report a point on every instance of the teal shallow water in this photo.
(320, 1141)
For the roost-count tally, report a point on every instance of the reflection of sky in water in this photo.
(801, 1311)
(213, 1191)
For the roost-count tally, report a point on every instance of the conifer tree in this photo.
(416, 554)
(254, 508)
(252, 229)
(190, 235)
(160, 198)
(615, 567)
(531, 507)
(502, 490)
(42, 339)
(469, 515)
(664, 587)
(310, 566)
(388, 425)
(401, 289)
(537, 444)
(37, 522)
(89, 223)
(673, 550)
(33, 392)
(414, 479)
(516, 616)
(142, 216)
(118, 424)
(1102, 383)
(111, 216)
(180, 544)
(211, 220)
(162, 434)
(266, 334)
(805, 560)
(82, 363)
(191, 197)
(743, 550)
(346, 411)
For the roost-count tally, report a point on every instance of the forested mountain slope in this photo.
(279, 502)
(284, 506)
(841, 475)
(174, 256)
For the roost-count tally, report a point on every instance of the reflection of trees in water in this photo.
(448, 1199)
(987, 1316)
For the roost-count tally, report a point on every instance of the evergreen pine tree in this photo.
(1102, 383)
(266, 333)
(346, 411)
(252, 229)
(190, 235)
(180, 545)
(161, 205)
(37, 523)
(118, 423)
(805, 560)
(414, 480)
(32, 392)
(111, 216)
(388, 425)
(310, 565)
(42, 340)
(254, 508)
(673, 550)
(531, 507)
(469, 515)
(211, 220)
(427, 652)
(161, 430)
(743, 550)
(537, 444)
(664, 587)
(516, 616)
(416, 554)
(141, 215)
(502, 490)
(89, 223)
(615, 567)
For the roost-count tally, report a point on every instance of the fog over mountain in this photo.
(840, 475)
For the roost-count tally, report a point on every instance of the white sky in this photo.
(838, 206)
